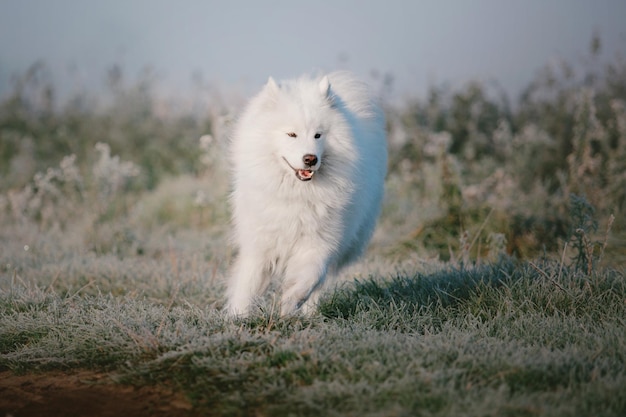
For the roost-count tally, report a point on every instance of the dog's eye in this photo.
(318, 135)
(292, 135)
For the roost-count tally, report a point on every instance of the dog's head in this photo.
(301, 116)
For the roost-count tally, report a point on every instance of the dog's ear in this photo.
(270, 92)
(325, 87)
(271, 86)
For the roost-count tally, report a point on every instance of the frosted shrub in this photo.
(69, 170)
(208, 155)
(617, 157)
(531, 157)
(584, 165)
(499, 190)
(503, 138)
(213, 146)
(57, 195)
(212, 158)
(51, 196)
(437, 143)
(110, 174)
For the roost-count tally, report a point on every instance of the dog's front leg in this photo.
(304, 276)
(249, 279)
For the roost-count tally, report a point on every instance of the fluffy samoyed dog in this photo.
(309, 157)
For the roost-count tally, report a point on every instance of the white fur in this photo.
(297, 230)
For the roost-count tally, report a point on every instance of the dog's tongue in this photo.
(304, 174)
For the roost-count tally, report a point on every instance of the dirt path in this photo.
(84, 394)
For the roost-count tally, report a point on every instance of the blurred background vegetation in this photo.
(473, 174)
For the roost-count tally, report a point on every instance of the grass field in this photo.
(503, 339)
(494, 285)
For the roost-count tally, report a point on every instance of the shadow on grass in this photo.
(434, 295)
(422, 303)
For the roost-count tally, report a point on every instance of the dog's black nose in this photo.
(309, 160)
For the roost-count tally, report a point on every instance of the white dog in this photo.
(309, 159)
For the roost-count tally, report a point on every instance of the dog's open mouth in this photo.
(304, 174)
(301, 174)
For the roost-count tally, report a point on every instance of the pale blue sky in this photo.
(242, 42)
